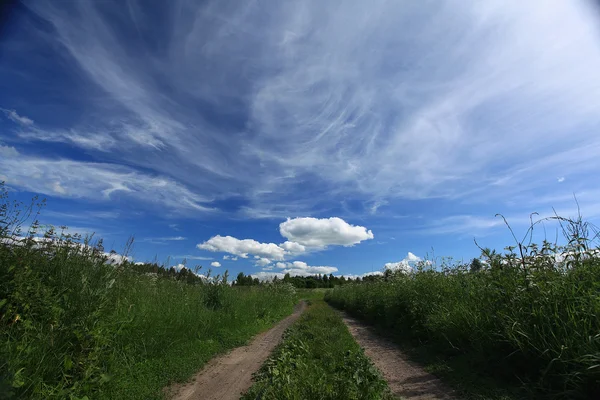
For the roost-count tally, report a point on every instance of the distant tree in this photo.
(240, 280)
(476, 265)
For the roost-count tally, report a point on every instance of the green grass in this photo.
(318, 359)
(72, 325)
(521, 327)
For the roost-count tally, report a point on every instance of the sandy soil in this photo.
(228, 376)
(405, 379)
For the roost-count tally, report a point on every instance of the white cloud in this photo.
(190, 257)
(293, 247)
(373, 209)
(320, 233)
(261, 262)
(115, 258)
(159, 240)
(97, 181)
(295, 268)
(373, 273)
(560, 179)
(112, 257)
(178, 267)
(471, 225)
(241, 248)
(215, 264)
(333, 77)
(405, 265)
(300, 268)
(8, 151)
(267, 276)
(13, 116)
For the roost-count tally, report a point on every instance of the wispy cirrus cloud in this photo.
(163, 240)
(97, 181)
(373, 100)
(14, 116)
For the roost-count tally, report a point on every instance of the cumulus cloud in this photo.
(215, 264)
(320, 233)
(261, 262)
(228, 257)
(300, 268)
(304, 234)
(405, 265)
(293, 247)
(243, 247)
(178, 267)
(373, 273)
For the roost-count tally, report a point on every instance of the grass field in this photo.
(74, 325)
(318, 359)
(517, 325)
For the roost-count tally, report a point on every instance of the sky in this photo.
(303, 136)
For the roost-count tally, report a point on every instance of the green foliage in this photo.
(529, 318)
(318, 359)
(73, 324)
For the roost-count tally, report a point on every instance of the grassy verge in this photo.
(318, 359)
(74, 326)
(515, 326)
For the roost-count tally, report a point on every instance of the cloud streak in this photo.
(374, 100)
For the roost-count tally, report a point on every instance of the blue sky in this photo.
(302, 136)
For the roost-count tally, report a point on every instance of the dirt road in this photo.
(228, 376)
(405, 379)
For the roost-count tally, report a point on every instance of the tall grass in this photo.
(74, 325)
(529, 316)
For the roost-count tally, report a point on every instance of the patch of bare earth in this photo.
(229, 375)
(405, 379)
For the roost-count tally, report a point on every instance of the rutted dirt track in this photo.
(228, 376)
(405, 379)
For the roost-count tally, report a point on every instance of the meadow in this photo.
(524, 323)
(78, 323)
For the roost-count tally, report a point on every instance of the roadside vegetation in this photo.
(77, 322)
(318, 359)
(527, 319)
